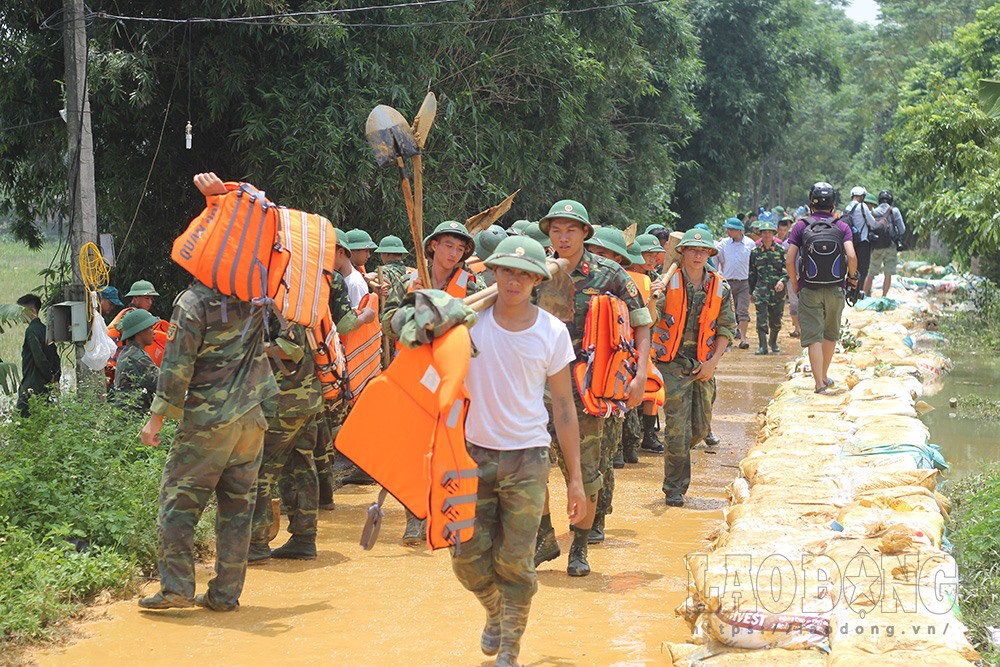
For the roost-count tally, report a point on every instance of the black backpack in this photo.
(823, 260)
(880, 234)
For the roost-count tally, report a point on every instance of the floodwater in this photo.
(967, 441)
(397, 605)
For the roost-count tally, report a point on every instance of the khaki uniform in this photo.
(214, 378)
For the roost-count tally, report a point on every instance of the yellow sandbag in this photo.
(869, 480)
(693, 655)
(934, 657)
(885, 632)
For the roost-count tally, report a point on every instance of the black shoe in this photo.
(712, 440)
(650, 435)
(202, 600)
(546, 547)
(297, 548)
(619, 461)
(578, 565)
(258, 553)
(675, 501)
(596, 535)
(161, 601)
(744, 345)
(629, 455)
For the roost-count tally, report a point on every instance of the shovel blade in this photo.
(389, 135)
(484, 219)
(425, 119)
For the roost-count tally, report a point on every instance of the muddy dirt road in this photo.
(398, 605)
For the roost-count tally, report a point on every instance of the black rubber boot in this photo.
(763, 345)
(596, 535)
(578, 565)
(326, 493)
(619, 461)
(297, 548)
(546, 547)
(773, 340)
(629, 454)
(650, 438)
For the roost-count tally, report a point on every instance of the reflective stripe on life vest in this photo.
(669, 330)
(363, 350)
(602, 379)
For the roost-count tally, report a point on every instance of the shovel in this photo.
(672, 260)
(391, 140)
(422, 124)
(484, 219)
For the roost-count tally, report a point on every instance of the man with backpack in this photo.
(827, 262)
(886, 236)
(859, 217)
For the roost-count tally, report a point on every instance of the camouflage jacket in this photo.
(298, 385)
(344, 317)
(214, 369)
(393, 271)
(592, 276)
(767, 267)
(399, 289)
(135, 378)
(696, 295)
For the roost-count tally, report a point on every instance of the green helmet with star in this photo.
(567, 209)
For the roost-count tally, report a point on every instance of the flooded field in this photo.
(397, 605)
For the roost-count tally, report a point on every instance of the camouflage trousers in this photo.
(223, 460)
(288, 452)
(591, 440)
(769, 313)
(610, 441)
(632, 429)
(511, 496)
(688, 411)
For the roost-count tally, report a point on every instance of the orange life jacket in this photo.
(609, 347)
(419, 455)
(645, 285)
(154, 350)
(233, 247)
(669, 330)
(476, 265)
(304, 293)
(458, 284)
(329, 357)
(654, 391)
(363, 350)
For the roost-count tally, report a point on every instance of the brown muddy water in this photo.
(398, 605)
(967, 440)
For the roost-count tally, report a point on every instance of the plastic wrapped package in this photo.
(890, 430)
(877, 388)
(862, 481)
(887, 406)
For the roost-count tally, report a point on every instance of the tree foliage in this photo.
(592, 105)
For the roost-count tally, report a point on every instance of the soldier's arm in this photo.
(36, 346)
(753, 270)
(184, 339)
(392, 304)
(640, 318)
(568, 437)
(475, 284)
(344, 317)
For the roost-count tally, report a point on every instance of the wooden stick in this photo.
(483, 299)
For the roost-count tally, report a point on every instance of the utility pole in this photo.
(80, 143)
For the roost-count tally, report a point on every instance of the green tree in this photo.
(593, 105)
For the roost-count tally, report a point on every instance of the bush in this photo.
(78, 504)
(979, 327)
(974, 525)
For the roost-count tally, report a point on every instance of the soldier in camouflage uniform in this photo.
(689, 376)
(568, 227)
(609, 243)
(213, 378)
(135, 374)
(768, 279)
(289, 446)
(509, 440)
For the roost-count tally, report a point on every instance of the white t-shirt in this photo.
(507, 381)
(357, 287)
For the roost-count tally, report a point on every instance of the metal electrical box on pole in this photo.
(80, 144)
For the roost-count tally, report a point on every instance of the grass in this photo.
(19, 275)
(978, 328)
(974, 525)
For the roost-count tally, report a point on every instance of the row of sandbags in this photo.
(834, 550)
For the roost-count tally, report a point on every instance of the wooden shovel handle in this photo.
(483, 299)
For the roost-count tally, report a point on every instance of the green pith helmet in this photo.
(570, 210)
(518, 226)
(392, 245)
(766, 226)
(613, 239)
(135, 321)
(733, 223)
(777, 211)
(635, 255)
(871, 199)
(342, 240)
(698, 238)
(455, 229)
(359, 239)
(487, 240)
(648, 243)
(534, 231)
(653, 227)
(521, 253)
(142, 288)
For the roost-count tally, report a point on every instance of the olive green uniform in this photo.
(290, 443)
(767, 267)
(135, 378)
(213, 378)
(688, 402)
(39, 365)
(594, 275)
